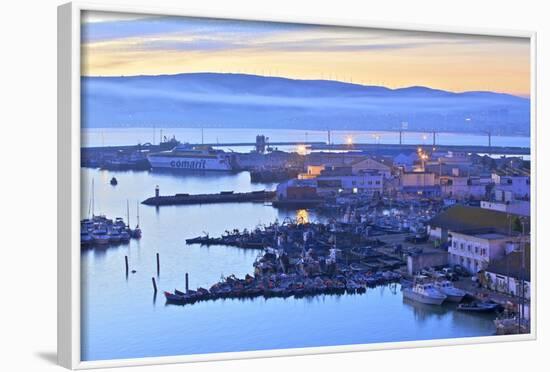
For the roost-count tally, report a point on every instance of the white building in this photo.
(417, 179)
(462, 187)
(370, 165)
(474, 251)
(518, 184)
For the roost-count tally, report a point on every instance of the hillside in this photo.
(238, 100)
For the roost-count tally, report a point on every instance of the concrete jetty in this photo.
(222, 197)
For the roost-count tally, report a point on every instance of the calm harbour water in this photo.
(122, 319)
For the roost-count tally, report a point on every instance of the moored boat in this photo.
(447, 288)
(479, 307)
(124, 236)
(174, 297)
(101, 235)
(424, 293)
(114, 235)
(86, 238)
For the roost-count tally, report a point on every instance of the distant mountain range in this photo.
(242, 101)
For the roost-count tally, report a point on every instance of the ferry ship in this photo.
(193, 158)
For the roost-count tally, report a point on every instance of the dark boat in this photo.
(114, 181)
(173, 297)
(480, 307)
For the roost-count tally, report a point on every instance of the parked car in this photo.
(450, 274)
(461, 271)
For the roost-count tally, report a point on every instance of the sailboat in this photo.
(136, 233)
(125, 230)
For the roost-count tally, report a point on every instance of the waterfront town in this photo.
(449, 223)
(252, 186)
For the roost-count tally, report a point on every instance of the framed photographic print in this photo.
(235, 186)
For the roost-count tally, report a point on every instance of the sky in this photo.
(115, 44)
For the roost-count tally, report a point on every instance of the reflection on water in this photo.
(121, 317)
(302, 216)
(422, 312)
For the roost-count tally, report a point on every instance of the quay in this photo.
(395, 148)
(222, 197)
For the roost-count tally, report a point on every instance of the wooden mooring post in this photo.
(126, 264)
(154, 284)
(158, 264)
(186, 282)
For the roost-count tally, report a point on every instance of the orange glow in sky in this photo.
(117, 44)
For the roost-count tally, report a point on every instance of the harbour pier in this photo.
(222, 197)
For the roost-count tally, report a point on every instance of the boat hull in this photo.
(190, 163)
(414, 296)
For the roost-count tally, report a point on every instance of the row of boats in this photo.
(433, 293)
(437, 292)
(100, 230)
(283, 285)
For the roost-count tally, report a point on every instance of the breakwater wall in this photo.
(222, 197)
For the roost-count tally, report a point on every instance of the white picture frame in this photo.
(69, 22)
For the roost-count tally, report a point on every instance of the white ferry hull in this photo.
(190, 164)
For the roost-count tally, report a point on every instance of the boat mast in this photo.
(137, 203)
(93, 206)
(128, 212)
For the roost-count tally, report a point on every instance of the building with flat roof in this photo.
(517, 181)
(462, 217)
(474, 250)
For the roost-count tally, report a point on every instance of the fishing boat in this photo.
(101, 235)
(479, 307)
(424, 293)
(174, 297)
(447, 288)
(85, 237)
(124, 236)
(114, 235)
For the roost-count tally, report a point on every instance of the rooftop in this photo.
(513, 172)
(492, 236)
(461, 218)
(511, 264)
